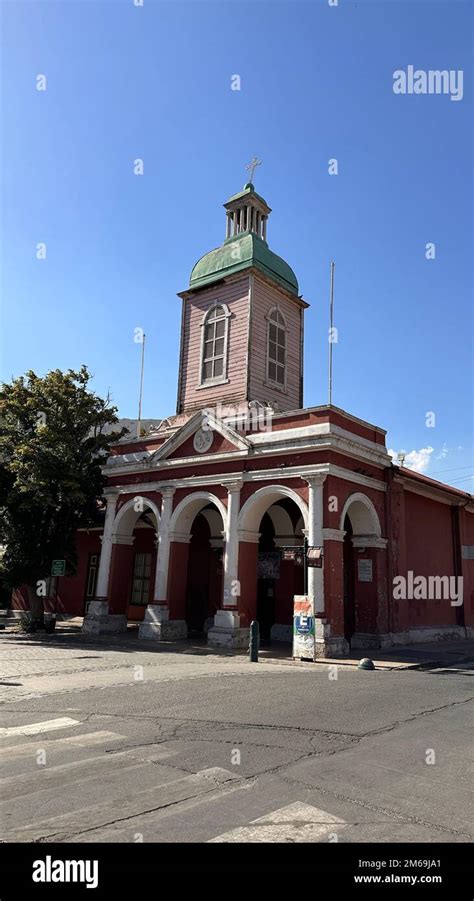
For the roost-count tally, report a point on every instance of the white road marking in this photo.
(89, 738)
(192, 789)
(35, 728)
(295, 823)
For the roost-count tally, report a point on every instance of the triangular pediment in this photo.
(207, 427)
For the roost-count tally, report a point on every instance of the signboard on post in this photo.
(314, 556)
(58, 568)
(303, 627)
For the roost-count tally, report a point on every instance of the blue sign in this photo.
(304, 625)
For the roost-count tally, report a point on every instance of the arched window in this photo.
(276, 348)
(214, 344)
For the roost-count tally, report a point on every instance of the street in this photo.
(117, 741)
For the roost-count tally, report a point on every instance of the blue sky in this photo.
(154, 82)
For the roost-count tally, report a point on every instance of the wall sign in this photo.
(364, 570)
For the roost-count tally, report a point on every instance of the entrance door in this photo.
(349, 592)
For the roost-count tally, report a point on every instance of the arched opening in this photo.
(349, 586)
(134, 554)
(361, 525)
(196, 562)
(204, 570)
(280, 573)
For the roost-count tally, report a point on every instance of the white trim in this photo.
(260, 475)
(258, 445)
(275, 492)
(333, 534)
(358, 497)
(186, 431)
(369, 541)
(208, 383)
(432, 492)
(273, 383)
(183, 527)
(125, 508)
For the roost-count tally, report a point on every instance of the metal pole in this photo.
(141, 387)
(331, 311)
(305, 564)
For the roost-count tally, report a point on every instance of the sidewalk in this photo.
(446, 654)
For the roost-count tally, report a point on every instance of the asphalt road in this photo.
(177, 748)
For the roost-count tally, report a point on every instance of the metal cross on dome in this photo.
(252, 166)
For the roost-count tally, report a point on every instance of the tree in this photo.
(55, 435)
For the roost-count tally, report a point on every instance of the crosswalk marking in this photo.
(62, 722)
(83, 741)
(295, 823)
(191, 789)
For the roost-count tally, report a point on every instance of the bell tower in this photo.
(242, 319)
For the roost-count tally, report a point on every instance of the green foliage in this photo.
(53, 442)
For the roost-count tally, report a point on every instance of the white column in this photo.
(264, 233)
(231, 550)
(106, 550)
(163, 554)
(315, 539)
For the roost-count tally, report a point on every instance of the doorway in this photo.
(349, 584)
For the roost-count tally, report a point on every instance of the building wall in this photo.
(429, 551)
(264, 298)
(235, 294)
(71, 589)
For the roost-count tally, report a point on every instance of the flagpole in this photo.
(331, 319)
(141, 387)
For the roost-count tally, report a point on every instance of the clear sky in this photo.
(155, 82)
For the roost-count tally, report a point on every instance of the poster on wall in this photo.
(364, 570)
(303, 628)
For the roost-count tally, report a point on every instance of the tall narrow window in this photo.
(276, 348)
(214, 345)
(141, 579)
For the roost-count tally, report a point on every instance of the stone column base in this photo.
(327, 645)
(332, 647)
(226, 631)
(160, 627)
(98, 620)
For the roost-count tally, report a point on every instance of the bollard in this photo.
(366, 663)
(254, 641)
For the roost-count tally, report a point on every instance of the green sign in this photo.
(58, 567)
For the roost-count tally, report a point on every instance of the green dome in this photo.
(240, 253)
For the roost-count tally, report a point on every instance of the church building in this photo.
(209, 516)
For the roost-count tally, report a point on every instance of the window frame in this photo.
(281, 386)
(144, 578)
(220, 379)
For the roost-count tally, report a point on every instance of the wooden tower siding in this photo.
(264, 298)
(234, 293)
